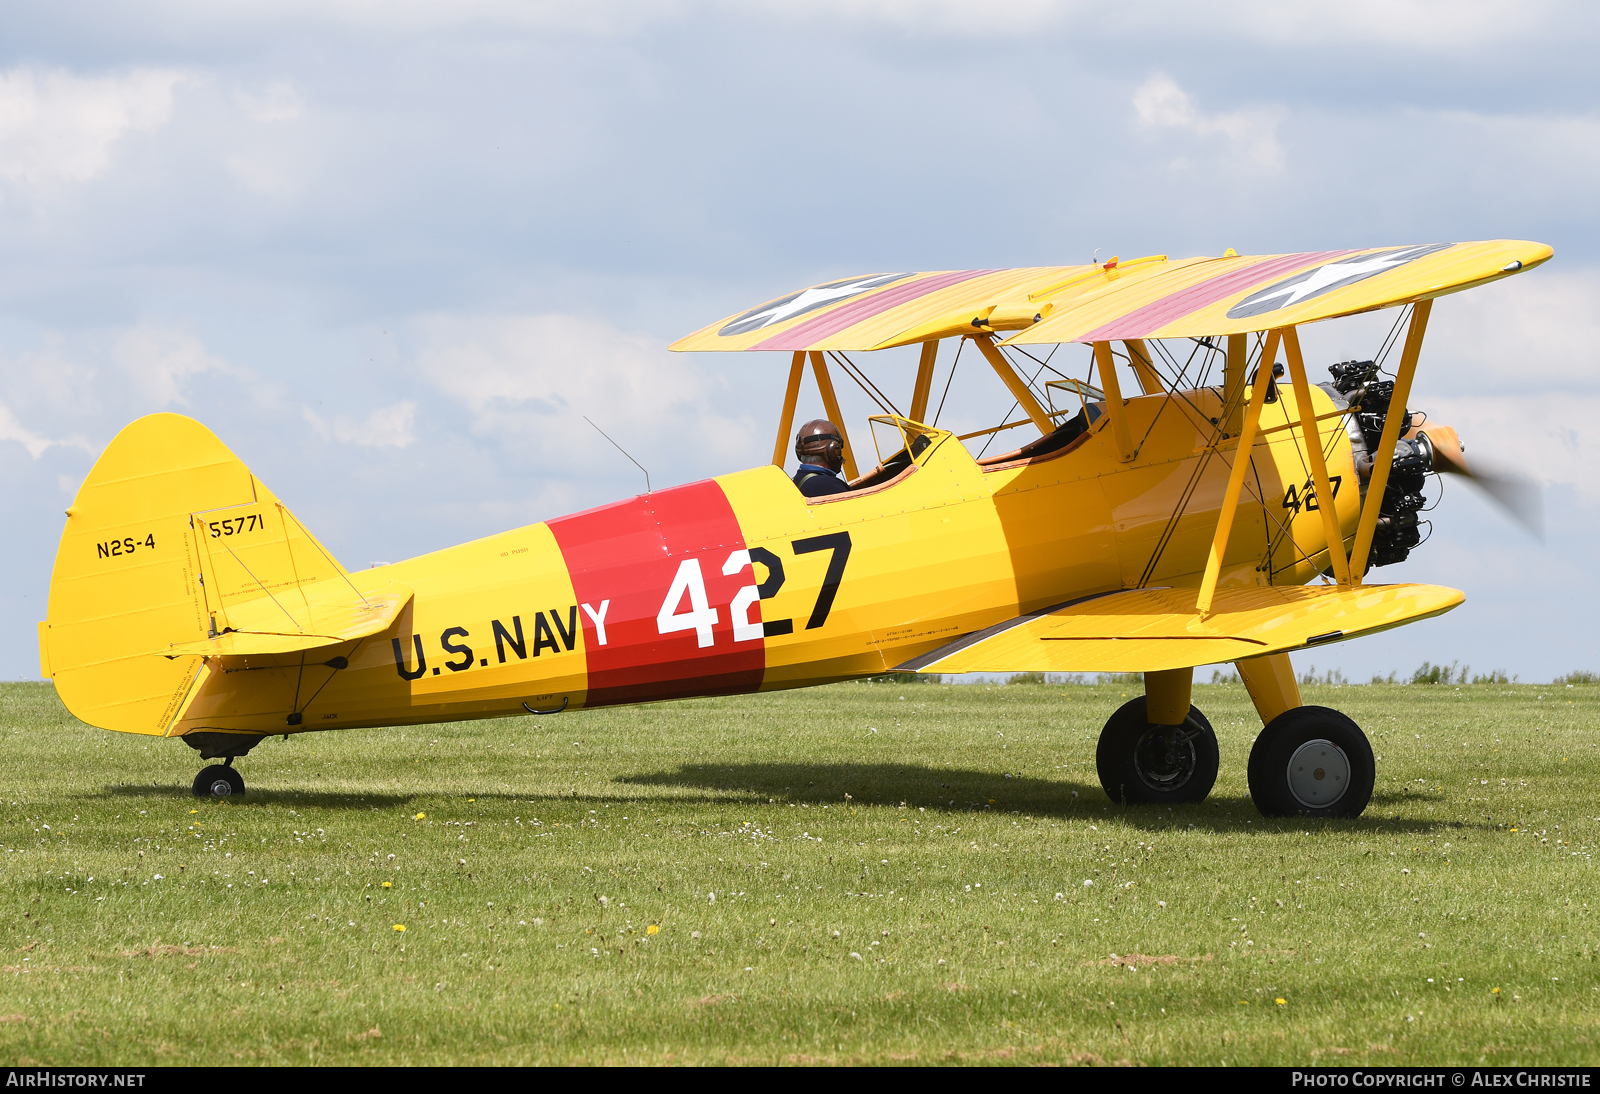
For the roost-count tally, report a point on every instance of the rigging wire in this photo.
(961, 345)
(1196, 475)
(863, 381)
(1175, 392)
(1389, 339)
(1045, 362)
(1014, 405)
(325, 683)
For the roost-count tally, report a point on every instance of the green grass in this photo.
(943, 834)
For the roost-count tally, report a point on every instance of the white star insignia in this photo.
(1324, 277)
(812, 299)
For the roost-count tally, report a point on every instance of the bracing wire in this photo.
(864, 382)
(959, 347)
(1015, 404)
(1201, 464)
(1390, 338)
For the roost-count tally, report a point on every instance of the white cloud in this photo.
(279, 101)
(36, 444)
(530, 380)
(1161, 103)
(160, 359)
(387, 427)
(1430, 25)
(269, 173)
(1537, 331)
(59, 127)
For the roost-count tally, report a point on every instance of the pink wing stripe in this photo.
(832, 322)
(1145, 321)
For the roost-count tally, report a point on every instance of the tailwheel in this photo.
(1314, 762)
(219, 781)
(1142, 764)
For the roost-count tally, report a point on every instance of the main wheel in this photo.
(1314, 762)
(217, 781)
(1141, 764)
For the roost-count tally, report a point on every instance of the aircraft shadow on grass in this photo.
(946, 790)
(966, 790)
(882, 784)
(254, 796)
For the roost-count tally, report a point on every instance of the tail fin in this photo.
(169, 538)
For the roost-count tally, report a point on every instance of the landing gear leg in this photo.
(1158, 748)
(1271, 683)
(1308, 761)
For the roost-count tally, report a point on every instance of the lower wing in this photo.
(1149, 630)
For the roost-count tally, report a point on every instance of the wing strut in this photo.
(830, 403)
(919, 395)
(1115, 411)
(1009, 376)
(1319, 466)
(1233, 366)
(1241, 463)
(1392, 425)
(1139, 358)
(780, 451)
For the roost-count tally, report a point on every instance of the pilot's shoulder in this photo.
(817, 484)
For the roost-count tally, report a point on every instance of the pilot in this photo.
(820, 447)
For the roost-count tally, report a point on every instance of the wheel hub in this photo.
(1165, 757)
(222, 788)
(1319, 774)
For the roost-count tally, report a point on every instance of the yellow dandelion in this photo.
(1495, 991)
(388, 885)
(192, 812)
(420, 816)
(1281, 1002)
(652, 929)
(472, 799)
(399, 926)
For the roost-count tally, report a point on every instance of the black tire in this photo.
(218, 781)
(1312, 762)
(1139, 765)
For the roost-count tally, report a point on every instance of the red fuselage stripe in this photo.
(624, 559)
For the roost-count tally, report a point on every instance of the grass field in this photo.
(902, 873)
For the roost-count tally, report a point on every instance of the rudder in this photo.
(169, 532)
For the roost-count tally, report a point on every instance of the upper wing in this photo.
(1245, 293)
(1148, 630)
(1143, 298)
(882, 310)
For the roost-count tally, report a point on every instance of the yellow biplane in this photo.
(1222, 514)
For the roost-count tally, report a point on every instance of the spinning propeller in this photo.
(1520, 497)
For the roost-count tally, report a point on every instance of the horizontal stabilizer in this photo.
(323, 614)
(1148, 630)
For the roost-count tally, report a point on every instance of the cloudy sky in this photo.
(392, 253)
